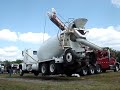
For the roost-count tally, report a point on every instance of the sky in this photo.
(24, 24)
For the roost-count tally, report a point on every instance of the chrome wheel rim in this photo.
(69, 57)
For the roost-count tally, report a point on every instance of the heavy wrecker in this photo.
(97, 61)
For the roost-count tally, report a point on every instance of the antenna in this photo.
(44, 29)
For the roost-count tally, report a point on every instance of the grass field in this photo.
(104, 81)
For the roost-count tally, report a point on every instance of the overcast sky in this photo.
(22, 23)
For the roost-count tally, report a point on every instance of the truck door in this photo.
(103, 60)
(112, 59)
(106, 59)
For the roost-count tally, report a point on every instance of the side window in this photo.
(34, 52)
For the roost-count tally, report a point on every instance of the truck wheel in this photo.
(36, 73)
(69, 57)
(44, 69)
(83, 71)
(104, 70)
(116, 68)
(21, 72)
(98, 69)
(91, 70)
(68, 74)
(52, 68)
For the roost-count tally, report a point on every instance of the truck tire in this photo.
(52, 67)
(116, 68)
(97, 69)
(104, 70)
(68, 74)
(44, 69)
(21, 72)
(69, 57)
(36, 73)
(84, 71)
(91, 70)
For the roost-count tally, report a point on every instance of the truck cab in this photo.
(30, 62)
(107, 60)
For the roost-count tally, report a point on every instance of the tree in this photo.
(18, 61)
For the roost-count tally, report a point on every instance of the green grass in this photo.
(104, 81)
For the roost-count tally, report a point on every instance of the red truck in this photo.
(99, 61)
(107, 61)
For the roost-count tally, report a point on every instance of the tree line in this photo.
(114, 53)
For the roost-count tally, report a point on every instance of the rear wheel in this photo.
(21, 72)
(84, 71)
(91, 70)
(36, 73)
(116, 68)
(98, 69)
(68, 74)
(104, 70)
(44, 69)
(52, 68)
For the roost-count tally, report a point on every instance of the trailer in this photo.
(66, 53)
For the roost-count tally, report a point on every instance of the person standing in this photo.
(10, 70)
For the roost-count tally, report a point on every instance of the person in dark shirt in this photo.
(10, 70)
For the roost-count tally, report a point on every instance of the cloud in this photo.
(10, 53)
(105, 37)
(6, 34)
(33, 37)
(116, 3)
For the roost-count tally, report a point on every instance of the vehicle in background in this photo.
(99, 61)
(15, 68)
(2, 68)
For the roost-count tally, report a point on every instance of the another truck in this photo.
(67, 53)
(99, 61)
(2, 68)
